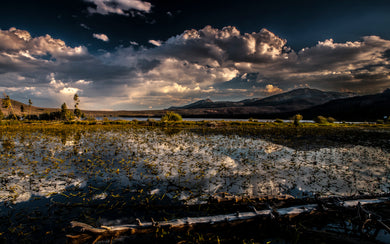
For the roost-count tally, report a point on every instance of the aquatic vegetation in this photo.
(113, 166)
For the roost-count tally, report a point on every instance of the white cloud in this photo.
(102, 37)
(175, 88)
(83, 82)
(223, 64)
(134, 43)
(156, 43)
(56, 84)
(120, 7)
(21, 44)
(69, 90)
(85, 26)
(271, 89)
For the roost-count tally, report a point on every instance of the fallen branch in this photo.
(370, 216)
(187, 223)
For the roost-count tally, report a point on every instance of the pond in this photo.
(199, 119)
(39, 165)
(41, 168)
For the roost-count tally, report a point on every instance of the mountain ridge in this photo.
(354, 108)
(296, 99)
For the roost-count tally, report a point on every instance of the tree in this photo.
(1, 115)
(171, 116)
(65, 114)
(8, 105)
(77, 111)
(6, 102)
(297, 118)
(29, 107)
(22, 108)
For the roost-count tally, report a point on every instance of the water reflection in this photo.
(7, 144)
(185, 165)
(102, 176)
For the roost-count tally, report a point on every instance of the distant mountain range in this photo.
(308, 102)
(293, 100)
(358, 108)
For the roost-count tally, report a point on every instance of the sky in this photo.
(138, 55)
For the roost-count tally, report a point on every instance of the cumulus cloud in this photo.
(102, 37)
(199, 57)
(69, 90)
(223, 64)
(121, 7)
(271, 89)
(227, 45)
(156, 43)
(83, 82)
(19, 45)
(48, 66)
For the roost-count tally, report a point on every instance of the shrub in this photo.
(279, 121)
(297, 118)
(151, 122)
(331, 120)
(321, 120)
(171, 116)
(380, 121)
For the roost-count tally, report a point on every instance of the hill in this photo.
(295, 100)
(18, 106)
(290, 101)
(359, 108)
(308, 102)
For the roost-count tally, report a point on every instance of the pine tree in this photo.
(77, 111)
(29, 107)
(8, 105)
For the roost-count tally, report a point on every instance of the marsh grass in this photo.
(117, 171)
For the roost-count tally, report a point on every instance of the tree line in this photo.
(63, 114)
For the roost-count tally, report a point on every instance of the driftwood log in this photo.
(87, 232)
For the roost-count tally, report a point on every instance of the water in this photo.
(113, 175)
(38, 165)
(196, 119)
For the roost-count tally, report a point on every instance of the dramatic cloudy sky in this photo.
(152, 54)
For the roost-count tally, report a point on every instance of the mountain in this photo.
(199, 104)
(297, 99)
(358, 108)
(208, 103)
(308, 102)
(300, 98)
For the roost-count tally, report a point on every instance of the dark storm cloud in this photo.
(146, 65)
